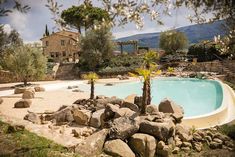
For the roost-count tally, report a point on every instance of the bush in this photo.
(204, 51)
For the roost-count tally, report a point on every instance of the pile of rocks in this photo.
(122, 131)
(28, 94)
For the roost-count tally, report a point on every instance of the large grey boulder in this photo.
(23, 103)
(118, 148)
(81, 117)
(162, 131)
(62, 116)
(124, 112)
(131, 106)
(123, 128)
(28, 94)
(168, 106)
(142, 144)
(110, 111)
(93, 145)
(97, 119)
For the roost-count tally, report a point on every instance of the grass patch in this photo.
(228, 130)
(27, 144)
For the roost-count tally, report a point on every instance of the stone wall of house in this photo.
(54, 48)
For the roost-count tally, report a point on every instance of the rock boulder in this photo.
(39, 89)
(168, 106)
(81, 117)
(23, 103)
(118, 148)
(93, 145)
(162, 131)
(143, 144)
(97, 119)
(123, 128)
(28, 94)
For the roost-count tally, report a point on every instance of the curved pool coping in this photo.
(224, 114)
(219, 116)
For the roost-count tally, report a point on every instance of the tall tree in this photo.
(97, 47)
(47, 33)
(84, 16)
(172, 41)
(25, 62)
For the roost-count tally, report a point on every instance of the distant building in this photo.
(61, 46)
(35, 44)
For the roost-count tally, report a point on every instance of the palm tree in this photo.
(145, 75)
(92, 77)
(149, 60)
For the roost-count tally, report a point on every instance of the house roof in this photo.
(70, 34)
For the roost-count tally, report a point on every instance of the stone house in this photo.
(61, 46)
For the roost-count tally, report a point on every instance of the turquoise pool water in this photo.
(196, 96)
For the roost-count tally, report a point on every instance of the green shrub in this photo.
(204, 51)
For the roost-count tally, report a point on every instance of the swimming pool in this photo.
(196, 96)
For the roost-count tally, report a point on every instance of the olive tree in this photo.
(172, 41)
(97, 47)
(25, 62)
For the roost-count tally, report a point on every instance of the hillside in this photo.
(195, 33)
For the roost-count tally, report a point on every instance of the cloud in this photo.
(7, 28)
(18, 21)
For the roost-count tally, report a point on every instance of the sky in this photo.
(31, 26)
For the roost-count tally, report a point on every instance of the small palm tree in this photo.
(92, 77)
(145, 75)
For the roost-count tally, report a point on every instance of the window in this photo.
(57, 54)
(62, 42)
(47, 43)
(64, 53)
(52, 55)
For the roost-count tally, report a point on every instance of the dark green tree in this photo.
(172, 41)
(84, 16)
(97, 47)
(47, 33)
(7, 40)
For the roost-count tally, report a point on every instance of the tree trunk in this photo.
(148, 92)
(92, 89)
(146, 96)
(25, 82)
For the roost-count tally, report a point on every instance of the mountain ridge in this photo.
(195, 33)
